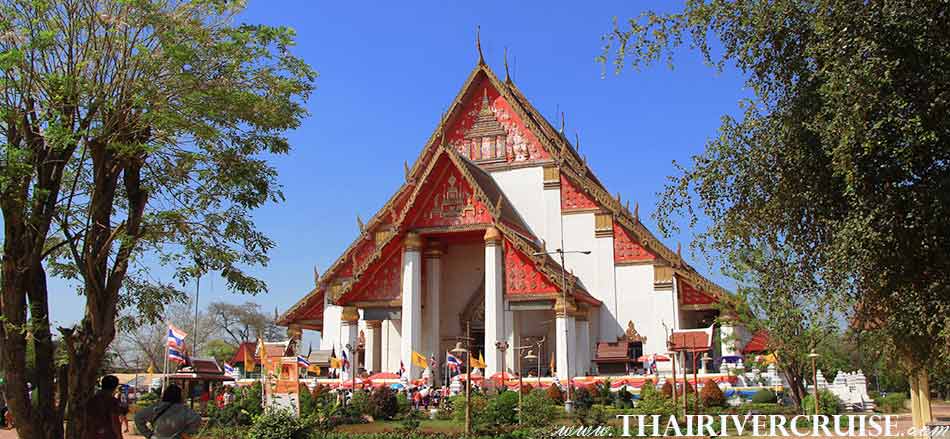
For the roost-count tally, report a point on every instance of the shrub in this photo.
(242, 411)
(583, 400)
(308, 405)
(278, 424)
(763, 409)
(647, 389)
(830, 404)
(764, 396)
(654, 403)
(711, 395)
(538, 410)
(502, 409)
(478, 409)
(667, 389)
(892, 403)
(554, 394)
(526, 389)
(602, 394)
(410, 421)
(360, 404)
(147, 399)
(403, 405)
(383, 403)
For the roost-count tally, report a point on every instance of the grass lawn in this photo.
(427, 426)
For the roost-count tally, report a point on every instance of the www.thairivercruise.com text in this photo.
(755, 426)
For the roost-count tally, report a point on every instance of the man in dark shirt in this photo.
(103, 412)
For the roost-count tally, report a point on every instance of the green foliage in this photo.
(502, 409)
(653, 402)
(892, 403)
(308, 405)
(147, 399)
(829, 403)
(403, 405)
(247, 405)
(479, 411)
(279, 424)
(538, 410)
(384, 404)
(711, 395)
(764, 396)
(220, 350)
(411, 421)
(667, 389)
(602, 393)
(836, 171)
(360, 404)
(583, 399)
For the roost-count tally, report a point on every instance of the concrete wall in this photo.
(524, 187)
(647, 308)
(463, 270)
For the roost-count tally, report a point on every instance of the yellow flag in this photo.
(249, 364)
(314, 368)
(335, 363)
(419, 360)
(151, 369)
(477, 363)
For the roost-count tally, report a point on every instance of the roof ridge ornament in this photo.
(636, 211)
(562, 124)
(507, 74)
(577, 140)
(405, 169)
(316, 276)
(478, 45)
(359, 223)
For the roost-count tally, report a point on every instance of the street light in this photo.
(568, 403)
(814, 376)
(529, 356)
(503, 347)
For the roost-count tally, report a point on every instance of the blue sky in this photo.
(389, 69)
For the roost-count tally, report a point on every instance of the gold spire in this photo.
(478, 45)
(486, 107)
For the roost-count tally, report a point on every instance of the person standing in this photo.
(169, 419)
(104, 410)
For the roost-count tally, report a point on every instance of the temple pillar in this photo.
(494, 301)
(433, 261)
(374, 346)
(582, 327)
(349, 332)
(565, 337)
(411, 339)
(605, 280)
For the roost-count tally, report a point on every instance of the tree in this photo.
(220, 350)
(133, 132)
(244, 322)
(795, 310)
(145, 343)
(842, 155)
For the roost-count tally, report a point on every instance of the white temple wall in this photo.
(524, 187)
(463, 270)
(579, 236)
(641, 304)
(330, 336)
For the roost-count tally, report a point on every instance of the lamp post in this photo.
(503, 347)
(460, 351)
(814, 376)
(529, 356)
(568, 403)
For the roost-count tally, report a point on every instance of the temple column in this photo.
(433, 261)
(494, 301)
(349, 332)
(374, 346)
(565, 338)
(411, 339)
(582, 327)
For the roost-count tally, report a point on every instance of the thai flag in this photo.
(228, 369)
(177, 356)
(176, 337)
(302, 362)
(346, 361)
(453, 363)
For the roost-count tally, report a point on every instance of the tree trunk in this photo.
(796, 386)
(82, 373)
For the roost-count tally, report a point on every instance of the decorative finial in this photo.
(405, 169)
(316, 276)
(498, 204)
(627, 206)
(636, 211)
(544, 246)
(577, 141)
(486, 105)
(478, 45)
(507, 74)
(562, 124)
(619, 201)
(359, 222)
(679, 250)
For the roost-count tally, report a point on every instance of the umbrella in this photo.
(383, 376)
(658, 357)
(396, 386)
(498, 376)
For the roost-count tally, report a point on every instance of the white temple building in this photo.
(471, 238)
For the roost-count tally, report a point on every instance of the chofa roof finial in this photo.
(562, 124)
(316, 276)
(507, 73)
(359, 222)
(636, 211)
(577, 141)
(478, 45)
(405, 169)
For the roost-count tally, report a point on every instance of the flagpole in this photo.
(165, 367)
